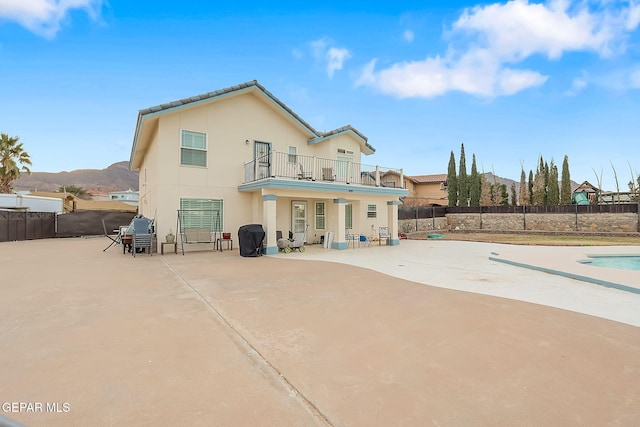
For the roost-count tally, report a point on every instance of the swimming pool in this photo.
(623, 262)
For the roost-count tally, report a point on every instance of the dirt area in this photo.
(538, 239)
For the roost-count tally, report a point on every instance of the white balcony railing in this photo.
(299, 167)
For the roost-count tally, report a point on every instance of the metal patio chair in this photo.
(142, 237)
(114, 240)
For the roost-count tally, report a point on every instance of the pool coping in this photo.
(574, 276)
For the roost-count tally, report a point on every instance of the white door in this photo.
(342, 163)
(298, 216)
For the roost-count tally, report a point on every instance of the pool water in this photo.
(623, 262)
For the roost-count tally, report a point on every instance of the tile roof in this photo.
(317, 135)
(428, 179)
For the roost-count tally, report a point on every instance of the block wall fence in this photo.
(621, 220)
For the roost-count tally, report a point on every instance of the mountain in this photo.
(116, 177)
(491, 179)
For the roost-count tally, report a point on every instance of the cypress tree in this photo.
(463, 180)
(546, 184)
(530, 186)
(485, 194)
(476, 184)
(452, 182)
(565, 191)
(514, 196)
(503, 196)
(553, 191)
(524, 190)
(538, 185)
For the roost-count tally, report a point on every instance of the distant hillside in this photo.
(116, 177)
(499, 180)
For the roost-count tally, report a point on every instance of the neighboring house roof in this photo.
(65, 196)
(314, 135)
(428, 179)
(104, 205)
(587, 187)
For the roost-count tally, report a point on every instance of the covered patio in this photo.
(344, 210)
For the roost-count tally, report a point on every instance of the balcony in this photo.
(311, 168)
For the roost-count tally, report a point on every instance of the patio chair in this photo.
(353, 238)
(328, 175)
(383, 233)
(302, 174)
(365, 240)
(142, 237)
(114, 240)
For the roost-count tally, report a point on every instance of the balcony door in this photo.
(262, 159)
(343, 162)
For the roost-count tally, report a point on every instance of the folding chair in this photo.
(114, 240)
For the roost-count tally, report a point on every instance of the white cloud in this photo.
(318, 48)
(436, 76)
(633, 17)
(486, 41)
(408, 35)
(517, 29)
(512, 81)
(331, 57)
(44, 17)
(335, 59)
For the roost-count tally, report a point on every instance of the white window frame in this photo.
(185, 148)
(372, 211)
(201, 213)
(293, 155)
(322, 216)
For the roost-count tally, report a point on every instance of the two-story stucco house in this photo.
(240, 156)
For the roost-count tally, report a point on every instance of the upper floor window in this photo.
(293, 158)
(193, 149)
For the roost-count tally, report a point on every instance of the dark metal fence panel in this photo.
(89, 223)
(40, 225)
(463, 209)
(421, 212)
(26, 225)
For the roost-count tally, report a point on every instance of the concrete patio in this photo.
(340, 338)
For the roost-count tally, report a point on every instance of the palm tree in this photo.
(13, 160)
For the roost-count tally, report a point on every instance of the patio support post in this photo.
(269, 220)
(401, 178)
(392, 219)
(314, 173)
(377, 176)
(339, 239)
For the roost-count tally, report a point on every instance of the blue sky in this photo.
(511, 80)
